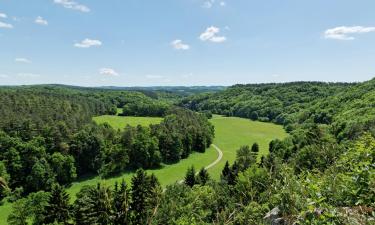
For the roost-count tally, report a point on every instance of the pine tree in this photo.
(58, 207)
(93, 206)
(154, 197)
(255, 148)
(245, 158)
(232, 178)
(225, 172)
(103, 207)
(139, 194)
(190, 177)
(121, 204)
(203, 176)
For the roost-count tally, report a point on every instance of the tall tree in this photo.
(255, 148)
(58, 208)
(121, 204)
(245, 158)
(139, 194)
(203, 176)
(225, 172)
(190, 177)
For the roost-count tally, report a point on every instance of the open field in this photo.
(230, 134)
(233, 132)
(119, 122)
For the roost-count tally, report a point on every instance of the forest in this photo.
(322, 173)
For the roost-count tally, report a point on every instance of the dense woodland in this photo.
(323, 173)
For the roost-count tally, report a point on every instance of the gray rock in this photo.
(273, 217)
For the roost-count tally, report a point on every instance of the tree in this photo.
(41, 176)
(4, 177)
(203, 176)
(255, 148)
(58, 207)
(19, 214)
(93, 206)
(121, 204)
(225, 172)
(64, 168)
(190, 177)
(139, 194)
(245, 158)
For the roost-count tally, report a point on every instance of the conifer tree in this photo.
(225, 172)
(255, 148)
(190, 177)
(203, 176)
(58, 208)
(121, 204)
(139, 194)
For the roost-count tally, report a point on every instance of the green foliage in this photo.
(30, 208)
(245, 158)
(121, 204)
(58, 209)
(203, 177)
(190, 177)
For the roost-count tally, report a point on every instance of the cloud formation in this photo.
(69, 4)
(6, 25)
(211, 34)
(179, 45)
(108, 72)
(87, 43)
(345, 33)
(3, 15)
(39, 20)
(22, 60)
(210, 3)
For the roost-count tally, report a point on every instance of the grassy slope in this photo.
(233, 132)
(119, 122)
(230, 133)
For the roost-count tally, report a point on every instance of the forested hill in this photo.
(348, 106)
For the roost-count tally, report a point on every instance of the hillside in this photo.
(323, 172)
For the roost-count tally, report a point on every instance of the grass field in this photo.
(230, 134)
(119, 122)
(233, 132)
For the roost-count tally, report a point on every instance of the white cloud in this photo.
(208, 4)
(6, 25)
(39, 20)
(22, 60)
(3, 15)
(4, 76)
(108, 72)
(218, 39)
(345, 33)
(211, 35)
(179, 45)
(69, 4)
(152, 76)
(87, 43)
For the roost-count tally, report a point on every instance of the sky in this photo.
(185, 42)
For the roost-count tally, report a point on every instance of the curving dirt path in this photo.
(212, 164)
(218, 158)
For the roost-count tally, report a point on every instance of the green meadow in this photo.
(230, 134)
(119, 122)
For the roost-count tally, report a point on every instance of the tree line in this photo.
(47, 136)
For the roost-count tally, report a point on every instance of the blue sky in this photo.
(185, 42)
